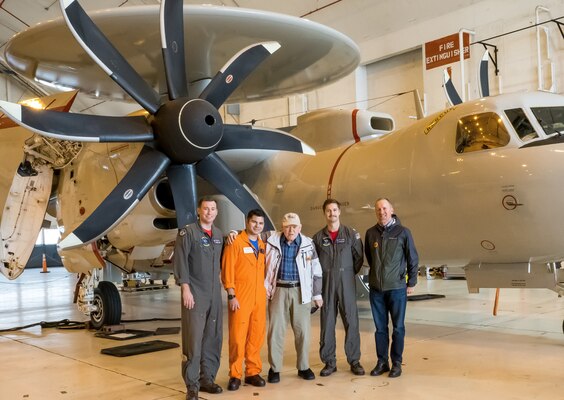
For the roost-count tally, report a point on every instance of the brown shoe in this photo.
(357, 369)
(255, 380)
(191, 393)
(328, 369)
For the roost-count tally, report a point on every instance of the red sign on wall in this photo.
(445, 50)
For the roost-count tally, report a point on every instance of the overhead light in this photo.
(33, 103)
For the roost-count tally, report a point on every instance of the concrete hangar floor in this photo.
(455, 348)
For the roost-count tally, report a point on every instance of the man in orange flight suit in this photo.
(242, 273)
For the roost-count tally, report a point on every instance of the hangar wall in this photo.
(398, 74)
(387, 59)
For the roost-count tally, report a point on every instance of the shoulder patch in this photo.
(356, 235)
(182, 232)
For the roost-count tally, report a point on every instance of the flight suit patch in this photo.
(182, 232)
(340, 240)
(216, 241)
(326, 241)
(205, 241)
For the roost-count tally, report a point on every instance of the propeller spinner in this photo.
(182, 135)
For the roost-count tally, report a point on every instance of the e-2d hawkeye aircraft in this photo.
(476, 184)
(122, 185)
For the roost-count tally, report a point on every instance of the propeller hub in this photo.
(188, 130)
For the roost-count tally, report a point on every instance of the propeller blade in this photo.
(215, 171)
(182, 180)
(79, 127)
(249, 137)
(483, 79)
(450, 91)
(107, 57)
(148, 167)
(235, 71)
(172, 41)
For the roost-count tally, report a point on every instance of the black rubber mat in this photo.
(139, 348)
(124, 334)
(172, 330)
(428, 296)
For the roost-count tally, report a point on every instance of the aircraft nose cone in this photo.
(200, 124)
(187, 130)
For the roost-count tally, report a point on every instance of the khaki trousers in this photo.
(285, 307)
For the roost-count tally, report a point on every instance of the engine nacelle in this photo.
(345, 126)
(151, 223)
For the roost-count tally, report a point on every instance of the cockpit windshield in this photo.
(521, 124)
(551, 119)
(480, 132)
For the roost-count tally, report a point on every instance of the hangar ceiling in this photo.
(359, 19)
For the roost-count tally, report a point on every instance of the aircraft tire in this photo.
(108, 301)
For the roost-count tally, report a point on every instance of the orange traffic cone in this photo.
(44, 265)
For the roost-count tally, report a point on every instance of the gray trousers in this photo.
(339, 296)
(285, 307)
(202, 338)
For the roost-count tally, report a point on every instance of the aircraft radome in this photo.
(477, 183)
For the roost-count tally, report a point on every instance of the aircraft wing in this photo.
(310, 55)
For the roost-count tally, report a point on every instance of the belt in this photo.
(288, 284)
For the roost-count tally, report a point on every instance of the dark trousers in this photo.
(392, 302)
(202, 338)
(339, 297)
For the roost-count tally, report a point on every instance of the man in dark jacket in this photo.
(340, 253)
(391, 254)
(197, 256)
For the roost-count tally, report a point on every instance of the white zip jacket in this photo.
(309, 268)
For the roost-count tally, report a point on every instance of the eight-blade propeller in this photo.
(184, 131)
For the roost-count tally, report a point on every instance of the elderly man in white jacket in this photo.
(293, 281)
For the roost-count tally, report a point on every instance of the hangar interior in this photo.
(454, 346)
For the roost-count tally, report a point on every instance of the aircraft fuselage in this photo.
(498, 205)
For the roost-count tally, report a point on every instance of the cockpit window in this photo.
(521, 124)
(551, 119)
(480, 132)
